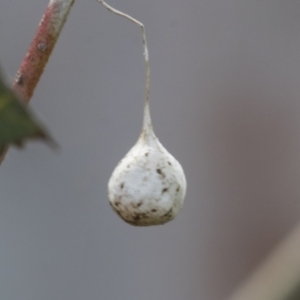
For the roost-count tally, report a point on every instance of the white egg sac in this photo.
(148, 186)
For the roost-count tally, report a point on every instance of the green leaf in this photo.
(17, 123)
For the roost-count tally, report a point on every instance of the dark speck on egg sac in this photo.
(161, 173)
(168, 214)
(164, 190)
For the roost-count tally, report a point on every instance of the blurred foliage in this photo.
(17, 124)
(295, 294)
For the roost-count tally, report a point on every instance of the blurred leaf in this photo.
(17, 123)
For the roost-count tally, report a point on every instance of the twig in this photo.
(40, 49)
(278, 278)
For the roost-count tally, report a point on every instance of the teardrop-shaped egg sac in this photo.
(148, 186)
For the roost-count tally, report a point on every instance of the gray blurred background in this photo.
(225, 101)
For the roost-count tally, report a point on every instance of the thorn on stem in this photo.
(19, 78)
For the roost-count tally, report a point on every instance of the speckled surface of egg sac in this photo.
(148, 186)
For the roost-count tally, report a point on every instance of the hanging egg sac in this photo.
(148, 186)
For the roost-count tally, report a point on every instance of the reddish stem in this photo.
(41, 48)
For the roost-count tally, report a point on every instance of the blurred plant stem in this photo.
(39, 51)
(278, 278)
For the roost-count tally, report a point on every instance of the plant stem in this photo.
(40, 49)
